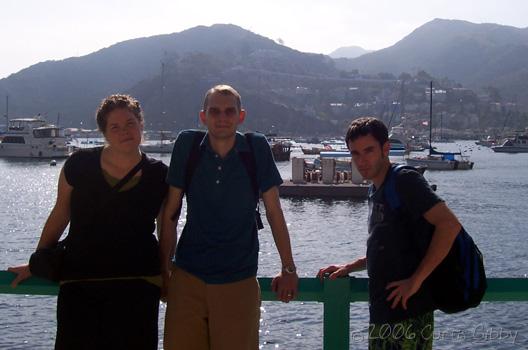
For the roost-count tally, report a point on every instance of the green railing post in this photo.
(336, 328)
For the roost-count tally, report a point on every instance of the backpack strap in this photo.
(248, 159)
(250, 163)
(190, 167)
(391, 195)
(194, 158)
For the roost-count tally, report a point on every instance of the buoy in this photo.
(53, 162)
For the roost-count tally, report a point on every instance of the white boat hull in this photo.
(519, 144)
(33, 151)
(510, 149)
(397, 152)
(157, 147)
(438, 164)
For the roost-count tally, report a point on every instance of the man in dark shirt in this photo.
(213, 299)
(398, 261)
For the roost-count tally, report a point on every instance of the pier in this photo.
(336, 296)
(321, 190)
(326, 183)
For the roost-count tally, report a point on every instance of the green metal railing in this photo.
(336, 296)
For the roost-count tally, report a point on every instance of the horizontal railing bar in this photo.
(310, 289)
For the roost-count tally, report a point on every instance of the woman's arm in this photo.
(53, 228)
(59, 216)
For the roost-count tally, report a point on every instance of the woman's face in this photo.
(123, 130)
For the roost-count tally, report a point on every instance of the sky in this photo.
(33, 31)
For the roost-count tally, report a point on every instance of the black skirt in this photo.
(115, 314)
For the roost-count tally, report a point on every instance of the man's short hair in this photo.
(225, 90)
(367, 126)
(113, 102)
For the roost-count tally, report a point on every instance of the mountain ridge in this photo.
(299, 92)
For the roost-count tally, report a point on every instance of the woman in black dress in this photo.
(110, 277)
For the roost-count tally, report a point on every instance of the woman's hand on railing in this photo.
(22, 273)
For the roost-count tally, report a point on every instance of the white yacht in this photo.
(33, 138)
(519, 144)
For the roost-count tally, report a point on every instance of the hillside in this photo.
(74, 86)
(475, 55)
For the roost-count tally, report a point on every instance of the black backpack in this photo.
(459, 281)
(247, 158)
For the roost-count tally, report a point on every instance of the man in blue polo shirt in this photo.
(213, 297)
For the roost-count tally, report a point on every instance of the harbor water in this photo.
(490, 200)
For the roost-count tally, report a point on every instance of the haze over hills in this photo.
(475, 55)
(349, 52)
(193, 61)
(284, 90)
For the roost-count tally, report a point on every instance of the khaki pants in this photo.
(204, 316)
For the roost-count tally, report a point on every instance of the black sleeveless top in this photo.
(111, 234)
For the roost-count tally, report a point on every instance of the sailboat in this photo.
(439, 160)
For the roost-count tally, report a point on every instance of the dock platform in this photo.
(320, 190)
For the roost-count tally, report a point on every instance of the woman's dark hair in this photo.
(114, 102)
(367, 126)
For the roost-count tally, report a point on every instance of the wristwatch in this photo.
(289, 269)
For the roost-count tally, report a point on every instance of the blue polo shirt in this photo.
(219, 242)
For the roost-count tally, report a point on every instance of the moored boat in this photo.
(397, 147)
(281, 151)
(160, 142)
(441, 161)
(33, 138)
(316, 150)
(487, 142)
(161, 146)
(436, 160)
(519, 144)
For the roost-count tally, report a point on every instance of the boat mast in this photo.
(430, 117)
(162, 90)
(7, 112)
(441, 126)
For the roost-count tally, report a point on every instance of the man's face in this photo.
(369, 156)
(222, 116)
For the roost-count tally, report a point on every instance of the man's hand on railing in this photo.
(22, 272)
(285, 286)
(333, 271)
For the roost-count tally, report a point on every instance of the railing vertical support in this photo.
(336, 299)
